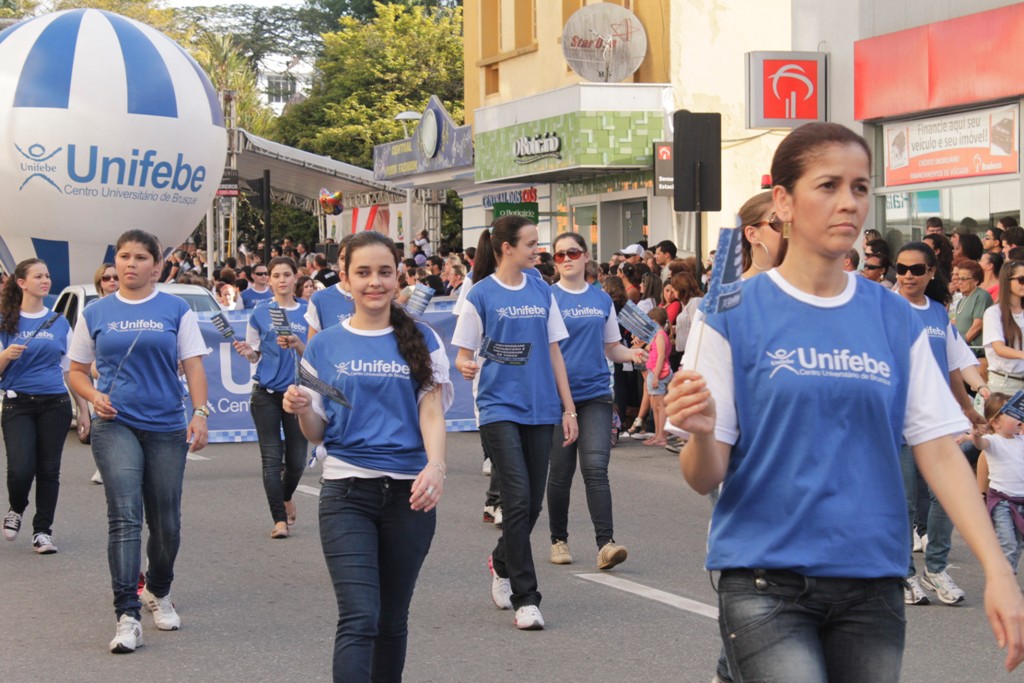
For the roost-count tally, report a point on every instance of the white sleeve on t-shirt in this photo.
(714, 362)
(469, 329)
(252, 336)
(82, 348)
(556, 325)
(190, 338)
(958, 353)
(611, 327)
(931, 410)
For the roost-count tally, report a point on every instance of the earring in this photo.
(787, 229)
(767, 253)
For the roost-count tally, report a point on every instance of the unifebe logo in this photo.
(584, 312)
(373, 368)
(790, 89)
(522, 312)
(135, 326)
(837, 363)
(38, 164)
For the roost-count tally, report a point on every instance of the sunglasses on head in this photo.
(573, 254)
(772, 222)
(917, 270)
(109, 278)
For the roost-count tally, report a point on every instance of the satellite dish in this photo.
(604, 43)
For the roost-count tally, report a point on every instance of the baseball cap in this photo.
(632, 250)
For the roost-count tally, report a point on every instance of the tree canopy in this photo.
(371, 71)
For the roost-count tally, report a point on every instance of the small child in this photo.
(658, 375)
(1001, 475)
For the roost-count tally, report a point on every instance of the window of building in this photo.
(525, 26)
(280, 88)
(491, 80)
(490, 28)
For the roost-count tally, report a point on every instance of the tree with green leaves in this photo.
(372, 71)
(229, 69)
(17, 9)
(260, 31)
(322, 15)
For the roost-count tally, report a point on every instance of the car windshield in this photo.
(200, 303)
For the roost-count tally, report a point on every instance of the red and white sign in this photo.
(785, 89)
(969, 145)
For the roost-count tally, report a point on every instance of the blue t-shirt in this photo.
(40, 369)
(329, 307)
(137, 346)
(590, 319)
(276, 368)
(937, 326)
(815, 396)
(251, 297)
(381, 431)
(525, 320)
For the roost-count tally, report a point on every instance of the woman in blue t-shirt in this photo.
(385, 458)
(514, 323)
(140, 434)
(36, 407)
(810, 533)
(276, 352)
(593, 327)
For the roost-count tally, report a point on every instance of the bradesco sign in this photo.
(968, 145)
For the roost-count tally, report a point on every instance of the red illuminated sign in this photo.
(785, 89)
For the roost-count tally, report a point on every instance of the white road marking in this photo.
(195, 456)
(661, 596)
(308, 490)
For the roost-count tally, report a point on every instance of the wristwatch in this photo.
(202, 411)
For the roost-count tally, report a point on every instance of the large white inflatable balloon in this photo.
(106, 124)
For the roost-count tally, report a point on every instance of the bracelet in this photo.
(440, 468)
(569, 413)
(201, 412)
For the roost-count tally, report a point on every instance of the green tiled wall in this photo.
(588, 139)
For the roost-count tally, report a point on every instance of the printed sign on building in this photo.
(968, 145)
(786, 89)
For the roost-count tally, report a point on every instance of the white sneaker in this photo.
(498, 517)
(486, 469)
(43, 544)
(528, 618)
(12, 525)
(918, 544)
(97, 478)
(501, 589)
(944, 586)
(913, 594)
(489, 511)
(164, 615)
(128, 636)
(641, 435)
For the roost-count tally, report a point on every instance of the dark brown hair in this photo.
(147, 240)
(10, 297)
(994, 403)
(755, 210)
(1011, 331)
(488, 249)
(411, 343)
(801, 146)
(282, 261)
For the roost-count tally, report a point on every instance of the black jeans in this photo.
(374, 545)
(35, 428)
(520, 453)
(269, 417)
(593, 448)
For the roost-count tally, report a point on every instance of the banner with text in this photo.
(967, 145)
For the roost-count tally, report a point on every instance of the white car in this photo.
(74, 298)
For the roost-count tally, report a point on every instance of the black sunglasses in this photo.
(867, 267)
(917, 270)
(1019, 279)
(262, 272)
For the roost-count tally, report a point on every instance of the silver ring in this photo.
(430, 490)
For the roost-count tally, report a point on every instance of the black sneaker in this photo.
(43, 544)
(12, 525)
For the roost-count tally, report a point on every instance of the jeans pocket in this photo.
(332, 493)
(745, 611)
(890, 600)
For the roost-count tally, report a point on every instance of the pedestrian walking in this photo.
(140, 434)
(513, 321)
(776, 401)
(385, 459)
(593, 340)
(1002, 332)
(1001, 475)
(276, 353)
(36, 405)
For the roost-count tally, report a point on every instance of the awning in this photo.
(296, 177)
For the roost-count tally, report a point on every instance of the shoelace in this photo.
(43, 539)
(12, 520)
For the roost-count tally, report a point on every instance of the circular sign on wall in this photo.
(604, 43)
(428, 132)
(106, 124)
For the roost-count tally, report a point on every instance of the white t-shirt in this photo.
(1005, 464)
(992, 331)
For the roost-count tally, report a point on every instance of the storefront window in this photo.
(584, 221)
(904, 213)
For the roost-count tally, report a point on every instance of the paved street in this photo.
(256, 609)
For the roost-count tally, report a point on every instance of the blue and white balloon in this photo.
(106, 124)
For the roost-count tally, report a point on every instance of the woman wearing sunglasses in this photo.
(922, 285)
(776, 401)
(1002, 333)
(593, 327)
(763, 246)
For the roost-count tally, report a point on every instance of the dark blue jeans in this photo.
(594, 448)
(374, 545)
(520, 452)
(34, 431)
(269, 418)
(142, 475)
(781, 626)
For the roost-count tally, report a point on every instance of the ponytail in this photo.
(486, 262)
(10, 297)
(488, 249)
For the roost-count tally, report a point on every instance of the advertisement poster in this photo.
(967, 145)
